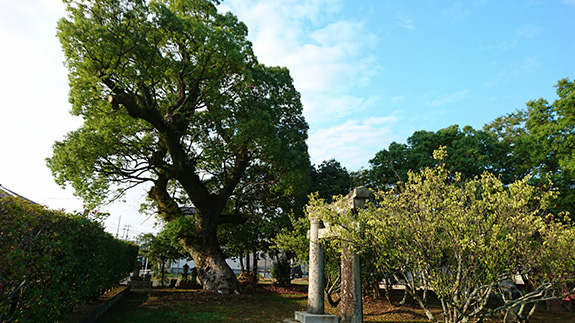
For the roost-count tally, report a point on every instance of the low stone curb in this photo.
(91, 313)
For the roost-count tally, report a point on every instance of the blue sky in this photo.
(370, 72)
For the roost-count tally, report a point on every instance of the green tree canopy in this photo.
(329, 179)
(540, 140)
(173, 97)
(470, 152)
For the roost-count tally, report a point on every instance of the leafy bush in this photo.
(52, 261)
(281, 271)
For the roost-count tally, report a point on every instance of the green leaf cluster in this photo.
(53, 261)
(172, 90)
(329, 179)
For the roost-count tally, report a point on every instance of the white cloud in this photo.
(405, 21)
(457, 12)
(568, 2)
(508, 44)
(379, 121)
(449, 98)
(522, 32)
(529, 31)
(324, 109)
(328, 57)
(344, 35)
(352, 143)
(518, 68)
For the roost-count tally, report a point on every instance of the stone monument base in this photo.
(139, 284)
(305, 317)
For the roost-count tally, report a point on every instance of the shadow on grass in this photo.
(258, 305)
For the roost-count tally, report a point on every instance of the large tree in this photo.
(540, 140)
(173, 97)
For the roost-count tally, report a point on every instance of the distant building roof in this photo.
(6, 192)
(189, 210)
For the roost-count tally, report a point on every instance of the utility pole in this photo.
(127, 231)
(118, 231)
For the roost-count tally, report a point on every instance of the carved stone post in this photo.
(351, 304)
(315, 303)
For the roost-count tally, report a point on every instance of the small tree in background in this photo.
(329, 179)
(161, 249)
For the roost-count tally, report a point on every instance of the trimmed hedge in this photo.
(50, 261)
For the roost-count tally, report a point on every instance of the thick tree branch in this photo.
(241, 163)
(233, 218)
(167, 207)
(183, 169)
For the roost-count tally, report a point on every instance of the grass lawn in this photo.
(263, 303)
(266, 303)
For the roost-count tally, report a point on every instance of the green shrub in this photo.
(51, 261)
(281, 271)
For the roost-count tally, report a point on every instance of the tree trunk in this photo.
(388, 288)
(247, 262)
(255, 266)
(213, 271)
(375, 287)
(242, 267)
(162, 272)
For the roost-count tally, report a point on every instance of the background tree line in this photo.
(538, 140)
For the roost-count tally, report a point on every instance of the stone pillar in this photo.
(315, 287)
(351, 303)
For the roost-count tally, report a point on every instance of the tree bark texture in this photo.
(213, 271)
